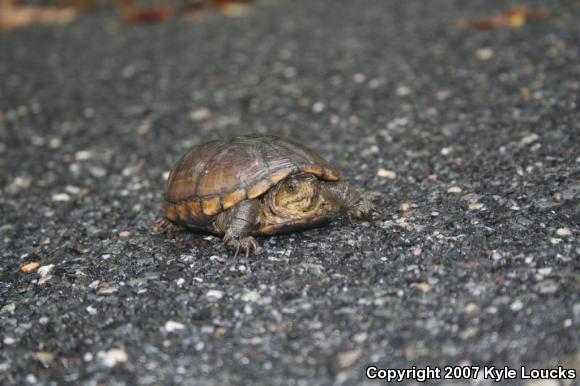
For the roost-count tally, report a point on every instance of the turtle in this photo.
(256, 185)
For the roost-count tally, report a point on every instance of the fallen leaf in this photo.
(514, 17)
(14, 16)
(29, 267)
(130, 13)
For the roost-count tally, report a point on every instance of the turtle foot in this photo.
(246, 244)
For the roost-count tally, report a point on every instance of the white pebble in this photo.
(214, 294)
(563, 232)
(529, 139)
(60, 197)
(517, 305)
(475, 206)
(403, 91)
(388, 174)
(484, 54)
(91, 310)
(171, 326)
(83, 155)
(200, 114)
(454, 189)
(251, 296)
(45, 269)
(112, 357)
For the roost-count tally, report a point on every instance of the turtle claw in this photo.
(246, 244)
(362, 210)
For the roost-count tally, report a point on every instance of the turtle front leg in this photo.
(349, 200)
(237, 225)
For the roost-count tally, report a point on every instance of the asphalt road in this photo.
(467, 139)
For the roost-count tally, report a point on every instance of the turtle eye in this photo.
(292, 187)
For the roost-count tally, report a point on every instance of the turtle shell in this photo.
(218, 175)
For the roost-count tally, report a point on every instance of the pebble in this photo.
(60, 197)
(8, 309)
(423, 287)
(348, 358)
(171, 326)
(547, 287)
(30, 267)
(475, 206)
(83, 155)
(454, 189)
(215, 294)
(91, 310)
(563, 232)
(517, 305)
(403, 91)
(200, 114)
(112, 357)
(251, 296)
(405, 207)
(388, 174)
(485, 54)
(529, 139)
(45, 269)
(124, 234)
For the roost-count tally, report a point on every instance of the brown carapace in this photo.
(255, 185)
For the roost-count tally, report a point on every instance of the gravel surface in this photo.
(467, 139)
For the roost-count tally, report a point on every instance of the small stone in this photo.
(517, 305)
(434, 214)
(251, 296)
(45, 357)
(423, 287)
(8, 340)
(45, 269)
(496, 256)
(124, 234)
(547, 287)
(446, 151)
(348, 358)
(475, 206)
(171, 326)
(318, 107)
(417, 252)
(91, 310)
(529, 139)
(470, 307)
(200, 114)
(44, 279)
(215, 294)
(454, 189)
(83, 155)
(405, 207)
(388, 174)
(555, 240)
(55, 143)
(30, 267)
(403, 91)
(112, 357)
(484, 54)
(8, 309)
(563, 232)
(60, 197)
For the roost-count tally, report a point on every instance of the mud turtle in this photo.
(255, 185)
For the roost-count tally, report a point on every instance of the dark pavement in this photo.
(468, 140)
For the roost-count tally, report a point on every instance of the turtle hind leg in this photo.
(163, 226)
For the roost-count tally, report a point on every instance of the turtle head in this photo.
(297, 202)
